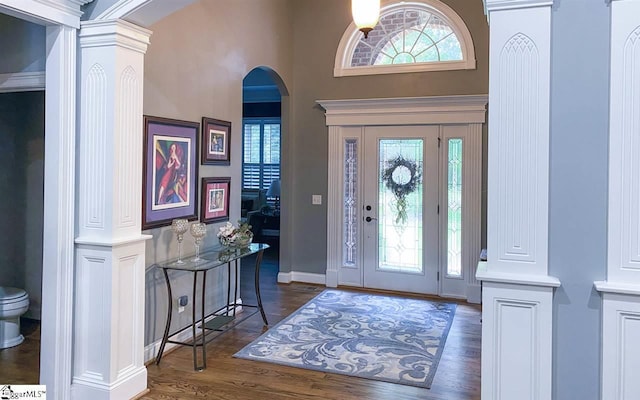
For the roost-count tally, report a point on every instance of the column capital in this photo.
(495, 5)
(115, 32)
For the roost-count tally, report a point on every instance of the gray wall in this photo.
(22, 45)
(578, 191)
(319, 26)
(22, 185)
(194, 68)
(195, 65)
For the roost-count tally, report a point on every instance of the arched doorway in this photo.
(264, 119)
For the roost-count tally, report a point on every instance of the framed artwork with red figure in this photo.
(216, 139)
(215, 200)
(170, 171)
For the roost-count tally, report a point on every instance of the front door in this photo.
(400, 211)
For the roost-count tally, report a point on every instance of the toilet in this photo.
(13, 303)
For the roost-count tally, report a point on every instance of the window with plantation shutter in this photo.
(261, 153)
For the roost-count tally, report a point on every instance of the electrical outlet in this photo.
(182, 302)
(316, 199)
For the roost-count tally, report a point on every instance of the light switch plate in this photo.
(316, 199)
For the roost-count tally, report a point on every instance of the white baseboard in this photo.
(22, 82)
(474, 294)
(304, 277)
(284, 277)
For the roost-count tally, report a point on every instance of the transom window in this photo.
(410, 37)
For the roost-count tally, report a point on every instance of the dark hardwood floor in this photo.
(20, 365)
(228, 378)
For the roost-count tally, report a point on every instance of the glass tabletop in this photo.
(213, 257)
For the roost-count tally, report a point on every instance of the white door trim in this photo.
(22, 82)
(345, 117)
(62, 18)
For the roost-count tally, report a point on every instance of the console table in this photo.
(210, 259)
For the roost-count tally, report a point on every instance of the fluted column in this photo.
(59, 210)
(621, 291)
(517, 291)
(110, 249)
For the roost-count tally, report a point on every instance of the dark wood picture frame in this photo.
(170, 171)
(215, 199)
(216, 142)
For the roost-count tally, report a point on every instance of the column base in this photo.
(517, 333)
(620, 347)
(132, 384)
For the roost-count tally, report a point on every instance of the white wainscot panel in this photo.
(516, 341)
(621, 347)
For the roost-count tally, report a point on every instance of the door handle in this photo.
(369, 219)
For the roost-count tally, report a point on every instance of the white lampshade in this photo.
(274, 189)
(365, 14)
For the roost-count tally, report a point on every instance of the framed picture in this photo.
(216, 139)
(170, 171)
(215, 200)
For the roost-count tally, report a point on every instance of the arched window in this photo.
(412, 36)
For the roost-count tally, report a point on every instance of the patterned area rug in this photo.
(371, 336)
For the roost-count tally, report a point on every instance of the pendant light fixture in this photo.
(365, 14)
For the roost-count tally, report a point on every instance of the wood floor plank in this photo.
(228, 378)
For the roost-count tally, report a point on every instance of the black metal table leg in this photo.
(193, 323)
(257, 283)
(202, 328)
(228, 286)
(220, 320)
(235, 290)
(165, 337)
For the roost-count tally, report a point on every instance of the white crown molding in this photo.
(122, 8)
(406, 110)
(97, 33)
(493, 5)
(64, 12)
(22, 82)
(142, 12)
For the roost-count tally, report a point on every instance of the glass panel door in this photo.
(400, 163)
(400, 227)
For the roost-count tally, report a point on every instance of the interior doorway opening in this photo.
(262, 154)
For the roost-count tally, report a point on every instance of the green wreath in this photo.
(402, 177)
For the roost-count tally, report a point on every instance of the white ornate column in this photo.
(110, 249)
(517, 290)
(621, 290)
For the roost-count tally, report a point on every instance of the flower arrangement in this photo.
(232, 236)
(402, 177)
